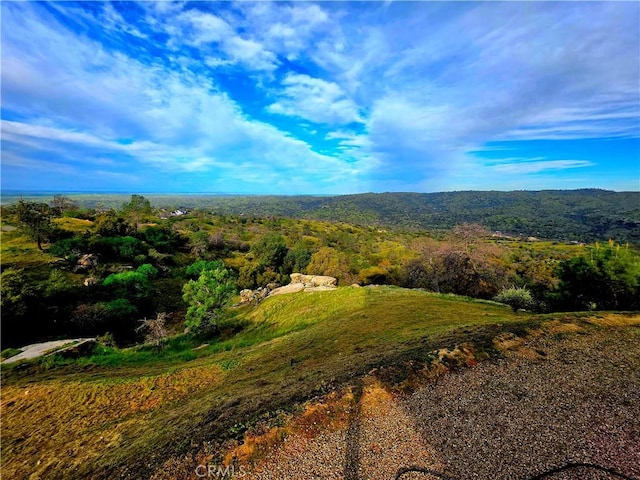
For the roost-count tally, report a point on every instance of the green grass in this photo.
(293, 347)
(9, 352)
(17, 251)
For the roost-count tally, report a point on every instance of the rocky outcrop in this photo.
(307, 283)
(88, 261)
(257, 295)
(291, 288)
(313, 280)
(299, 283)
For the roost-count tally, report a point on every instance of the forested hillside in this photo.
(580, 215)
(566, 215)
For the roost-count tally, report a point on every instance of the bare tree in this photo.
(155, 330)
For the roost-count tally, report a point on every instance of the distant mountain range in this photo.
(566, 215)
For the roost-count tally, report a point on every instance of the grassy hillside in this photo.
(96, 417)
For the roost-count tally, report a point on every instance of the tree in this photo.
(155, 330)
(110, 224)
(207, 296)
(606, 278)
(137, 209)
(296, 259)
(271, 251)
(35, 220)
(467, 235)
(63, 204)
(131, 285)
(194, 270)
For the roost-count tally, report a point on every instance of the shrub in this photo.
(148, 270)
(69, 246)
(516, 297)
(129, 284)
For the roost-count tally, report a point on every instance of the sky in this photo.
(319, 98)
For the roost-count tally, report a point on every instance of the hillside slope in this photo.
(96, 417)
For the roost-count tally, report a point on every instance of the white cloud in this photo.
(203, 27)
(316, 100)
(215, 35)
(95, 101)
(426, 83)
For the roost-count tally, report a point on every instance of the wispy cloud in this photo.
(536, 166)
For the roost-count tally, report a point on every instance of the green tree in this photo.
(110, 224)
(194, 270)
(138, 209)
(296, 259)
(271, 251)
(129, 284)
(606, 278)
(207, 296)
(35, 220)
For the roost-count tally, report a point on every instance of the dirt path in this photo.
(555, 399)
(39, 349)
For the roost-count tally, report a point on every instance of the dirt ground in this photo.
(567, 396)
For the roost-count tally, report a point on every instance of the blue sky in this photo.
(320, 98)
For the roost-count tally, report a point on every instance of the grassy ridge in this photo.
(108, 415)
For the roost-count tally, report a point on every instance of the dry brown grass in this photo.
(87, 418)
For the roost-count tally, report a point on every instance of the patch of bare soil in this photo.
(562, 396)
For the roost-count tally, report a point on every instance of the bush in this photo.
(134, 285)
(148, 270)
(162, 239)
(68, 247)
(127, 248)
(516, 297)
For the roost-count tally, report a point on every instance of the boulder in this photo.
(300, 278)
(324, 281)
(313, 280)
(291, 288)
(321, 288)
(247, 296)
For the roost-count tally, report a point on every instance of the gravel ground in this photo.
(552, 401)
(379, 439)
(577, 400)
